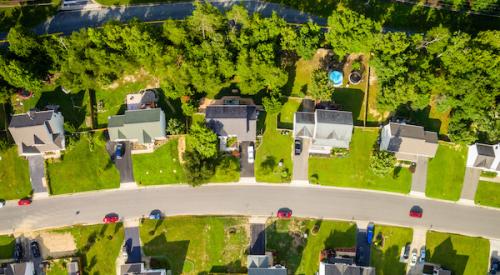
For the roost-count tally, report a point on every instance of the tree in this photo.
(198, 168)
(304, 40)
(272, 104)
(321, 87)
(203, 140)
(175, 127)
(22, 42)
(382, 162)
(14, 73)
(206, 19)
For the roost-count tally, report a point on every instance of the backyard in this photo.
(301, 255)
(287, 112)
(276, 146)
(446, 171)
(14, 175)
(385, 256)
(461, 254)
(85, 159)
(160, 167)
(353, 170)
(196, 245)
(6, 246)
(488, 193)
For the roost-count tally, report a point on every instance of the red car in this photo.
(110, 219)
(416, 212)
(25, 201)
(284, 214)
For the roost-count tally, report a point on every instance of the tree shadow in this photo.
(70, 105)
(350, 100)
(261, 123)
(172, 253)
(388, 261)
(232, 267)
(447, 256)
(419, 117)
(269, 164)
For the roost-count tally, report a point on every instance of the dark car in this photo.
(18, 252)
(495, 266)
(35, 249)
(119, 150)
(298, 147)
(406, 253)
(155, 215)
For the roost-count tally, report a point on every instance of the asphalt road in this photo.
(251, 199)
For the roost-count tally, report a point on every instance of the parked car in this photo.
(18, 252)
(119, 150)
(25, 201)
(416, 212)
(422, 255)
(2, 203)
(298, 147)
(495, 267)
(155, 215)
(35, 249)
(111, 218)
(413, 261)
(284, 213)
(251, 153)
(406, 253)
(369, 232)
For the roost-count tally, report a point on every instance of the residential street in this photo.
(251, 199)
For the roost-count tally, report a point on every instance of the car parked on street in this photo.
(422, 255)
(25, 201)
(298, 147)
(251, 153)
(2, 203)
(495, 267)
(284, 213)
(111, 218)
(155, 215)
(413, 261)
(119, 150)
(35, 249)
(416, 212)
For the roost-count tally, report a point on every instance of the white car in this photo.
(251, 156)
(413, 261)
(2, 203)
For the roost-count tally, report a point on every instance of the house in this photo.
(408, 141)
(434, 269)
(263, 265)
(141, 127)
(327, 128)
(227, 121)
(38, 133)
(139, 269)
(26, 268)
(344, 266)
(484, 156)
(142, 100)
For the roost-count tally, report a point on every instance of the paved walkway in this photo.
(419, 178)
(37, 175)
(469, 188)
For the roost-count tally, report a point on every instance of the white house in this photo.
(484, 156)
(408, 141)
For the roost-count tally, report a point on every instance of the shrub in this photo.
(382, 162)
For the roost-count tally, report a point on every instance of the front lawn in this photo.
(57, 267)
(160, 167)
(7, 243)
(84, 166)
(445, 175)
(385, 256)
(98, 246)
(462, 255)
(353, 170)
(287, 112)
(301, 255)
(14, 175)
(197, 245)
(488, 193)
(276, 146)
(227, 170)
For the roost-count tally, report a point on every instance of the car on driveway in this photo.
(111, 218)
(25, 201)
(406, 252)
(495, 267)
(35, 249)
(416, 212)
(18, 252)
(2, 203)
(119, 150)
(422, 255)
(413, 261)
(284, 213)
(251, 156)
(298, 147)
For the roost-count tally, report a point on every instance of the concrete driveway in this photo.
(469, 188)
(124, 165)
(133, 243)
(418, 242)
(37, 174)
(246, 168)
(362, 248)
(258, 239)
(301, 163)
(419, 178)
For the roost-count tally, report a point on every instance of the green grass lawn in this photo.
(352, 100)
(385, 257)
(197, 245)
(446, 171)
(287, 112)
(301, 255)
(57, 267)
(353, 171)
(14, 175)
(7, 243)
(461, 254)
(227, 170)
(98, 246)
(274, 147)
(488, 193)
(160, 167)
(84, 166)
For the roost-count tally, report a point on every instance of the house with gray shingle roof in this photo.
(38, 133)
(327, 128)
(340, 267)
(484, 156)
(233, 120)
(408, 141)
(263, 265)
(25, 268)
(142, 127)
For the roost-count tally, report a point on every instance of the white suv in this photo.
(251, 156)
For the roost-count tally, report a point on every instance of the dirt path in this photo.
(181, 147)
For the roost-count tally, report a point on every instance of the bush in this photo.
(175, 127)
(488, 174)
(382, 162)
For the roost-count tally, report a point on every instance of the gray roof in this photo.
(267, 271)
(137, 269)
(38, 132)
(229, 120)
(345, 269)
(19, 268)
(260, 265)
(485, 150)
(333, 117)
(144, 125)
(257, 261)
(411, 140)
(327, 127)
(304, 124)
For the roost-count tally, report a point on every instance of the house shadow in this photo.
(419, 117)
(447, 256)
(232, 267)
(390, 263)
(338, 238)
(350, 100)
(261, 123)
(171, 107)
(71, 105)
(166, 254)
